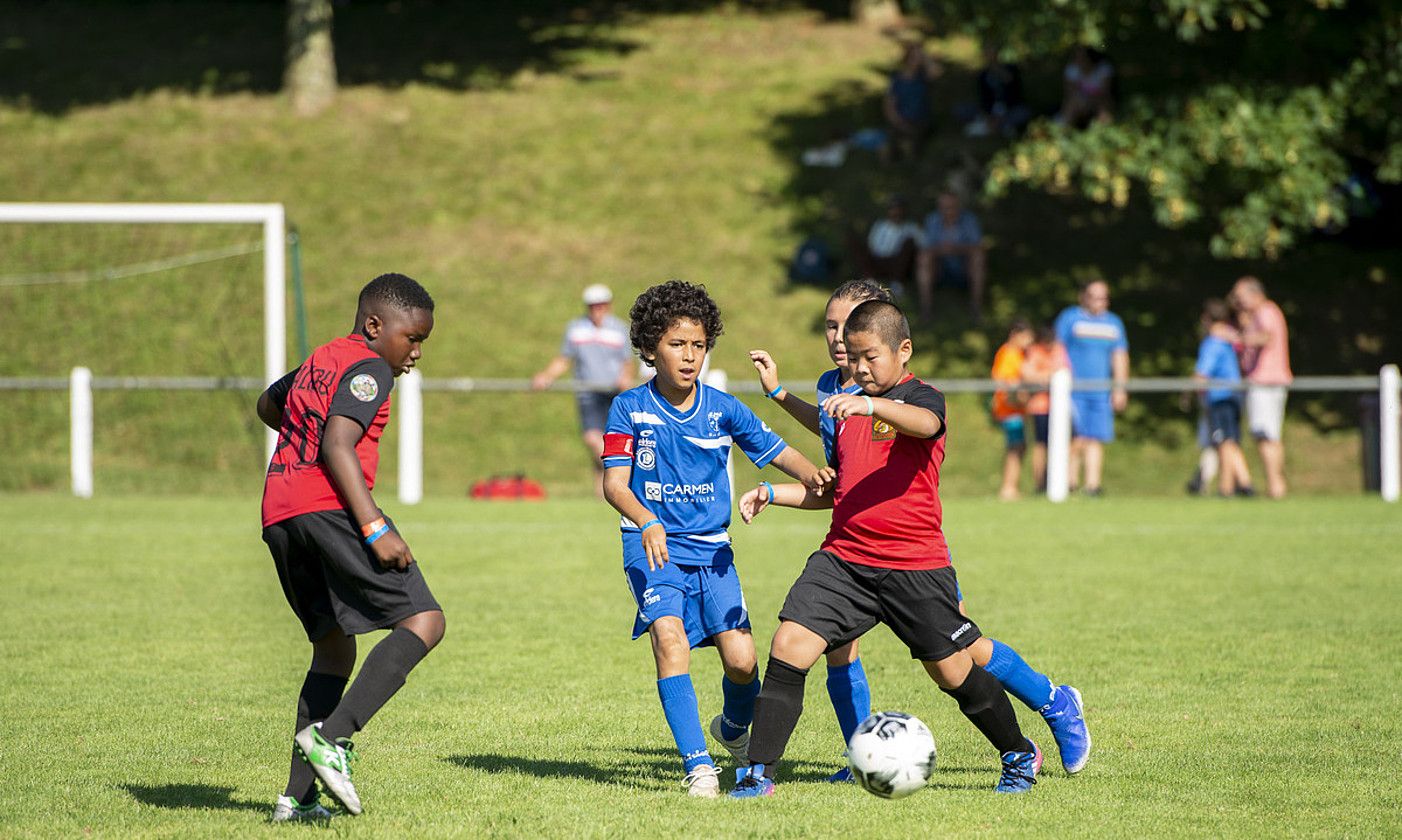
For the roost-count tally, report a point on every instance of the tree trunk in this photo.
(310, 75)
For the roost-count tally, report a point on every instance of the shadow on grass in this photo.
(645, 765)
(217, 797)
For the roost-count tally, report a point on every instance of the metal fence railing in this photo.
(409, 411)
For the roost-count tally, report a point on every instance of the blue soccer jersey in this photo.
(828, 384)
(678, 463)
(1217, 360)
(1090, 341)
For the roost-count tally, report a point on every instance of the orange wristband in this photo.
(370, 528)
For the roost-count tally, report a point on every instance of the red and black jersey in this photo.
(886, 507)
(343, 378)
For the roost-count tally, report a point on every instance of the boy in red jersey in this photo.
(884, 559)
(344, 568)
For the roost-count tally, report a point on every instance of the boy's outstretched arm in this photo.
(783, 495)
(800, 410)
(618, 494)
(338, 456)
(907, 419)
(272, 401)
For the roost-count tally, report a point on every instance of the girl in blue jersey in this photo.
(665, 451)
(1060, 706)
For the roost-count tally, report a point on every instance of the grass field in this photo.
(1239, 663)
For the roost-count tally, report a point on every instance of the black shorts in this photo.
(594, 409)
(1224, 421)
(331, 578)
(1040, 427)
(840, 601)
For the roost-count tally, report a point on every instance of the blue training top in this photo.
(1217, 360)
(828, 384)
(678, 462)
(1090, 341)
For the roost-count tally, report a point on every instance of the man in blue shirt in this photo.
(1094, 338)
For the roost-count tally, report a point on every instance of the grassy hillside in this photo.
(509, 158)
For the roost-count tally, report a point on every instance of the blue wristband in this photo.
(380, 532)
(770, 487)
(648, 524)
(772, 394)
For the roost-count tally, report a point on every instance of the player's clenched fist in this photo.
(392, 552)
(819, 482)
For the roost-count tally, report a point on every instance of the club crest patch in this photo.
(364, 387)
(881, 430)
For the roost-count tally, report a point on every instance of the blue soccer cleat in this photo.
(1019, 771)
(842, 776)
(751, 783)
(1065, 714)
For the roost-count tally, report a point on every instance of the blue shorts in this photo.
(1092, 417)
(1224, 421)
(707, 599)
(1013, 433)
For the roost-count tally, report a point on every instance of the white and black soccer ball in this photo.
(892, 754)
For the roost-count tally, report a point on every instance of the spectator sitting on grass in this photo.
(1002, 108)
(1087, 89)
(907, 105)
(891, 247)
(954, 253)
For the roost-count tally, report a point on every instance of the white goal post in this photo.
(270, 216)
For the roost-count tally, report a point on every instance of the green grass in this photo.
(1238, 662)
(509, 157)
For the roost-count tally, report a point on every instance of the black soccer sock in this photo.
(383, 673)
(983, 702)
(777, 708)
(320, 694)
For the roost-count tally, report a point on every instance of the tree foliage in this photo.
(1253, 116)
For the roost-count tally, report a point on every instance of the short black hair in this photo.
(1217, 311)
(881, 318)
(661, 306)
(395, 290)
(860, 290)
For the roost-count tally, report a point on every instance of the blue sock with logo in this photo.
(739, 708)
(679, 706)
(1019, 679)
(850, 695)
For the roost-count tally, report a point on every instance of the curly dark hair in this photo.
(395, 290)
(661, 306)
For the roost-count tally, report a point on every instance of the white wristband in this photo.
(871, 409)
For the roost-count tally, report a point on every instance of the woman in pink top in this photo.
(1265, 363)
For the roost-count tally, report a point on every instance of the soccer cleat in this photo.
(842, 776)
(703, 781)
(290, 810)
(751, 783)
(1019, 771)
(332, 764)
(738, 747)
(1066, 717)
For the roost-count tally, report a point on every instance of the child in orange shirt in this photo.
(1008, 407)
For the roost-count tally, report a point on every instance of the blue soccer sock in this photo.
(850, 695)
(1019, 679)
(739, 708)
(679, 706)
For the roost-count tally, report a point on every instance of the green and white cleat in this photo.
(738, 747)
(290, 810)
(332, 764)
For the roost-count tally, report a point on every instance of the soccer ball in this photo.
(892, 754)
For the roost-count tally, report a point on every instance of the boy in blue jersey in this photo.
(1217, 361)
(1059, 706)
(1094, 338)
(665, 451)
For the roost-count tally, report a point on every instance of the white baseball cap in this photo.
(597, 293)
